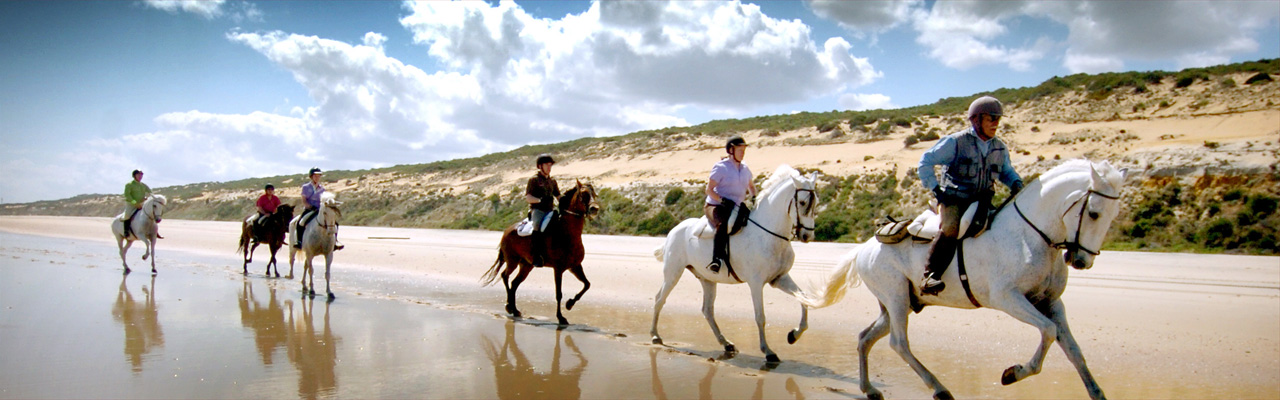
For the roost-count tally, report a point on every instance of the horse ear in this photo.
(579, 182)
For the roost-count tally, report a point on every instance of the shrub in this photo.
(1218, 233)
(828, 126)
(657, 225)
(1233, 194)
(1211, 145)
(1259, 77)
(910, 140)
(673, 196)
(1228, 83)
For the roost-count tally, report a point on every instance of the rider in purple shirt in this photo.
(311, 192)
(729, 185)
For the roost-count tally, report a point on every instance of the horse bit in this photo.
(1074, 245)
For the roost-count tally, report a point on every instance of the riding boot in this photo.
(537, 247)
(336, 244)
(128, 222)
(940, 254)
(719, 255)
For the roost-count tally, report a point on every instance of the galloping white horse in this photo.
(759, 253)
(142, 227)
(1016, 267)
(318, 239)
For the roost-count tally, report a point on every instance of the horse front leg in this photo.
(582, 277)
(709, 312)
(292, 254)
(151, 250)
(1058, 313)
(306, 268)
(672, 273)
(328, 262)
(757, 300)
(124, 244)
(559, 280)
(1017, 306)
(789, 286)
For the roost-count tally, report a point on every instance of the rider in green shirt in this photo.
(135, 192)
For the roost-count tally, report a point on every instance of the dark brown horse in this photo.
(271, 231)
(564, 249)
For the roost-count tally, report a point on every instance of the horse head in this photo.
(806, 205)
(329, 212)
(154, 206)
(581, 200)
(1090, 214)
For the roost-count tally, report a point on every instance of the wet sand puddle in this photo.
(72, 327)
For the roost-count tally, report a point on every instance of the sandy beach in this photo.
(411, 320)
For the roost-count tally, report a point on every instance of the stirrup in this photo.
(931, 286)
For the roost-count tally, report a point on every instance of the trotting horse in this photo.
(759, 253)
(564, 249)
(142, 227)
(1016, 267)
(317, 239)
(271, 231)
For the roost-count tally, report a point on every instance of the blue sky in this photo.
(195, 91)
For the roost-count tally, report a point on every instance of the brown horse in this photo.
(270, 231)
(564, 249)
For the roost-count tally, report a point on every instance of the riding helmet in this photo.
(314, 171)
(985, 105)
(269, 187)
(734, 141)
(545, 158)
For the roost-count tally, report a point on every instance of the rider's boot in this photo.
(720, 248)
(538, 248)
(940, 254)
(337, 245)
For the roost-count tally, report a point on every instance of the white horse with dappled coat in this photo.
(143, 228)
(1017, 267)
(318, 238)
(760, 253)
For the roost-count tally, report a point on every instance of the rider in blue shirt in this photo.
(971, 160)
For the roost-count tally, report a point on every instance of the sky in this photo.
(212, 90)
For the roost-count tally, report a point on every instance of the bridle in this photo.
(586, 205)
(799, 225)
(326, 223)
(151, 211)
(1073, 245)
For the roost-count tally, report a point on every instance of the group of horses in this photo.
(1019, 266)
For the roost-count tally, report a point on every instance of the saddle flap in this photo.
(737, 220)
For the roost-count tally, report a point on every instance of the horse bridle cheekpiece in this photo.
(1075, 244)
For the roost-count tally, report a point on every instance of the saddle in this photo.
(525, 227)
(925, 227)
(737, 220)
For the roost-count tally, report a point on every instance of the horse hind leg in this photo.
(867, 339)
(897, 312)
(582, 277)
(515, 284)
(124, 245)
(709, 312)
(1058, 313)
(559, 295)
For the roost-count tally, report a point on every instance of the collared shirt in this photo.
(732, 180)
(544, 188)
(135, 192)
(311, 193)
(944, 153)
(268, 203)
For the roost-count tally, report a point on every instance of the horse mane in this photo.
(159, 198)
(1108, 172)
(782, 174)
(328, 197)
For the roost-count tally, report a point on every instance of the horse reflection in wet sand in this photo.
(564, 250)
(315, 355)
(267, 323)
(1018, 267)
(141, 323)
(521, 381)
(704, 385)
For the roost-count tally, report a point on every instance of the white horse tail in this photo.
(843, 276)
(658, 252)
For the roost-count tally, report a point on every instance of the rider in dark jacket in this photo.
(972, 160)
(541, 193)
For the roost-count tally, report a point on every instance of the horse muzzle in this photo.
(1078, 259)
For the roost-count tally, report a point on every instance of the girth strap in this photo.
(964, 275)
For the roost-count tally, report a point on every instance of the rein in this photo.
(799, 224)
(1080, 223)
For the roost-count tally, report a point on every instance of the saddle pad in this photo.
(926, 225)
(524, 228)
(736, 223)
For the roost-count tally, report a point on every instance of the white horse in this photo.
(142, 227)
(318, 239)
(1015, 267)
(759, 253)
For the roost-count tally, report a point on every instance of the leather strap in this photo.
(964, 275)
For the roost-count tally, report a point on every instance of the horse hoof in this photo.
(127, 271)
(943, 395)
(332, 297)
(569, 304)
(875, 396)
(1009, 376)
(772, 359)
(563, 321)
(657, 340)
(153, 272)
(791, 337)
(731, 349)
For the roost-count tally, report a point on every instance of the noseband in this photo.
(1073, 245)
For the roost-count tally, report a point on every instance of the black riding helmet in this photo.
(314, 171)
(734, 141)
(545, 158)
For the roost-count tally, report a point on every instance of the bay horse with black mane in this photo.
(564, 249)
(271, 230)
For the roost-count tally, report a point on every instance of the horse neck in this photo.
(322, 219)
(1043, 203)
(573, 224)
(774, 211)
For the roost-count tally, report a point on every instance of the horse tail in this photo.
(658, 252)
(492, 274)
(244, 238)
(843, 276)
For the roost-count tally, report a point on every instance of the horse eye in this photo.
(1093, 214)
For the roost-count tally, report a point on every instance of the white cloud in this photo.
(209, 9)
(862, 102)
(866, 16)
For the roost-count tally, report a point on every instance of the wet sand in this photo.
(412, 321)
